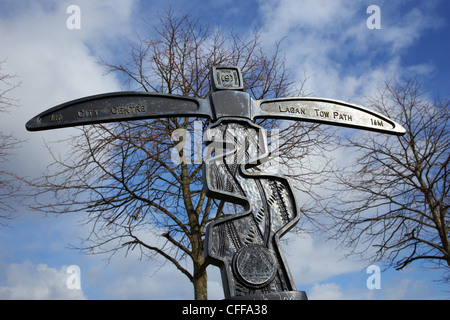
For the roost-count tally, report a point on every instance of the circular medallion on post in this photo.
(255, 266)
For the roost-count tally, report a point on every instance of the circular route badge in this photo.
(255, 265)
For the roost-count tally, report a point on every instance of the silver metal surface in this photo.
(327, 111)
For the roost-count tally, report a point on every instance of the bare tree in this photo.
(123, 174)
(9, 181)
(396, 197)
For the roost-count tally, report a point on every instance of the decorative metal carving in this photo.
(245, 245)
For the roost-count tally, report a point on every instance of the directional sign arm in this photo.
(327, 111)
(119, 106)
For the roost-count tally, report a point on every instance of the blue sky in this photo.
(328, 41)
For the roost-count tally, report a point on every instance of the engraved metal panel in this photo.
(246, 245)
(332, 112)
(118, 106)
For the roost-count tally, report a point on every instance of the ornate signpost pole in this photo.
(246, 245)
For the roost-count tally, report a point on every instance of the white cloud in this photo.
(330, 42)
(146, 280)
(327, 291)
(37, 282)
(56, 64)
(312, 260)
(285, 16)
(399, 287)
(215, 288)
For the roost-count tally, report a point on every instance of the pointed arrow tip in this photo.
(32, 124)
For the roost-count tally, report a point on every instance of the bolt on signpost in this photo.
(246, 245)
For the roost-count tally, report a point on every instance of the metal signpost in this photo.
(246, 245)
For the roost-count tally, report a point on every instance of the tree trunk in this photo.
(200, 283)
